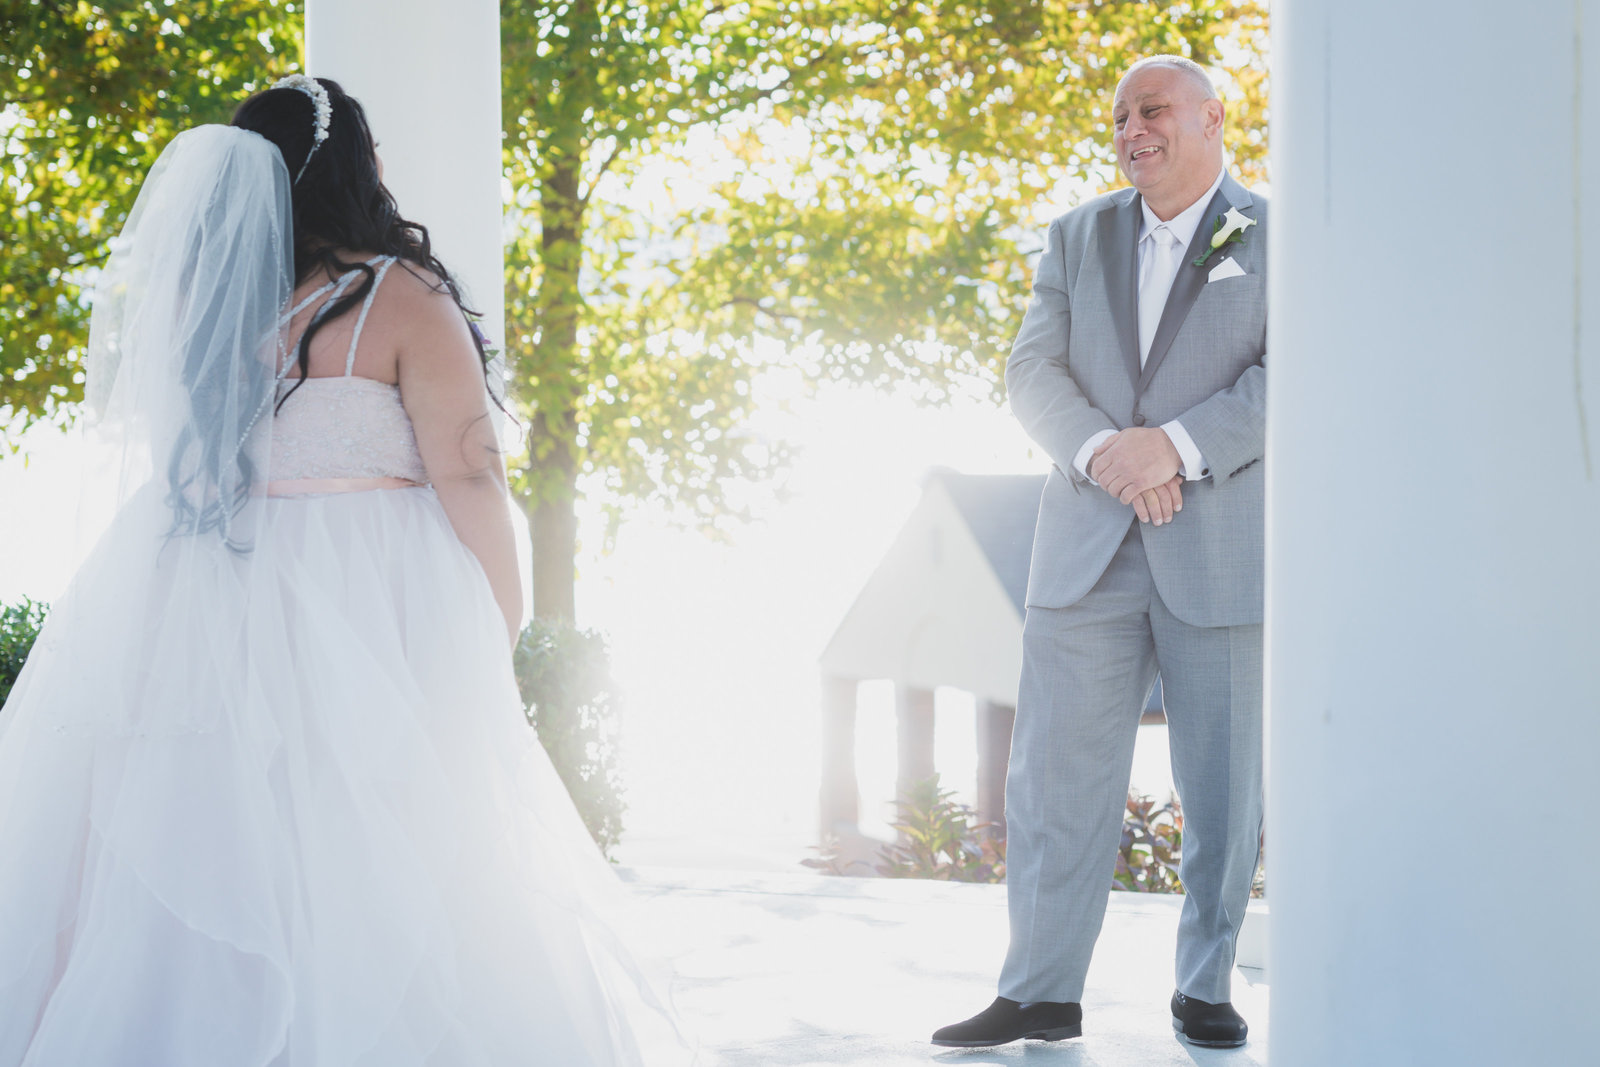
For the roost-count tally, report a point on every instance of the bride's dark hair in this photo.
(340, 203)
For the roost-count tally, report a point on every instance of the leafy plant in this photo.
(19, 628)
(829, 859)
(1151, 847)
(941, 839)
(564, 675)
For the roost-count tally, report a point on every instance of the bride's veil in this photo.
(185, 340)
(184, 335)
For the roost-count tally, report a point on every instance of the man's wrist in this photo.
(1191, 464)
(1080, 462)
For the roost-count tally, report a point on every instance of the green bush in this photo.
(19, 627)
(1151, 847)
(565, 677)
(940, 839)
(936, 838)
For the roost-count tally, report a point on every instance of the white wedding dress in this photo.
(277, 804)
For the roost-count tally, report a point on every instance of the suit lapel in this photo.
(1119, 234)
(1190, 279)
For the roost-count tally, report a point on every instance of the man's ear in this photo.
(1214, 113)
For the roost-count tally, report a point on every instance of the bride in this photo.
(267, 795)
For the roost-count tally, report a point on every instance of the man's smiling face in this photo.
(1168, 133)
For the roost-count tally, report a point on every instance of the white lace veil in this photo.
(184, 343)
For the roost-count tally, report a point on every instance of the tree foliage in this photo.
(93, 92)
(701, 189)
(19, 628)
(848, 183)
(564, 676)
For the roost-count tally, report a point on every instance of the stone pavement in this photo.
(806, 970)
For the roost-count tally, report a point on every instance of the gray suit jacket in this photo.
(1074, 370)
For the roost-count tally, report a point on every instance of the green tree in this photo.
(92, 93)
(866, 173)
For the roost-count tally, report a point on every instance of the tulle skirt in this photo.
(280, 807)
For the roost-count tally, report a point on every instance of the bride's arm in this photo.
(441, 386)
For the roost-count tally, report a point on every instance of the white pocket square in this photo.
(1226, 269)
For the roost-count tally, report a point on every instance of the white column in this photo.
(428, 75)
(1433, 619)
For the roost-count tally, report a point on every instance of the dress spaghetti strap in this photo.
(336, 288)
(361, 320)
(333, 290)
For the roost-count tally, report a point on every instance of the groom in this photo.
(1139, 371)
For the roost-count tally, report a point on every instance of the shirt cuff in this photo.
(1193, 466)
(1080, 462)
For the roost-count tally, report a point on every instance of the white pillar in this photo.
(428, 75)
(1433, 531)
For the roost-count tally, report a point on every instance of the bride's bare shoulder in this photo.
(418, 296)
(416, 280)
(419, 308)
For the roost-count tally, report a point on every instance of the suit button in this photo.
(1138, 420)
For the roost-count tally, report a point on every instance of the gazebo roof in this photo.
(946, 604)
(944, 607)
(1000, 509)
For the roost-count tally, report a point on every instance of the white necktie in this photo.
(1158, 269)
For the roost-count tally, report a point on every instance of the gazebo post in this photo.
(994, 759)
(840, 799)
(914, 728)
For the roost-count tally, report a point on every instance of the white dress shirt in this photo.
(1156, 274)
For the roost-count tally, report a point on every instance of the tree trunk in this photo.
(553, 436)
(553, 525)
(556, 366)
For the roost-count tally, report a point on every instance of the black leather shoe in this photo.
(1005, 1021)
(1207, 1025)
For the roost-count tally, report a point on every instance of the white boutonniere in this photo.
(1229, 230)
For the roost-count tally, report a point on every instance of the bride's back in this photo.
(377, 349)
(393, 386)
(347, 418)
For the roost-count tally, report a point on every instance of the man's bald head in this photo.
(1194, 72)
(1167, 122)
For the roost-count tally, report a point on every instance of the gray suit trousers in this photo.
(1087, 670)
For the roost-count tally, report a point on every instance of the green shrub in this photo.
(19, 627)
(1151, 847)
(940, 839)
(936, 838)
(565, 677)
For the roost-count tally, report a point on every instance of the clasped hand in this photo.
(1139, 467)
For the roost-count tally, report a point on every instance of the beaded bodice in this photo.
(345, 427)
